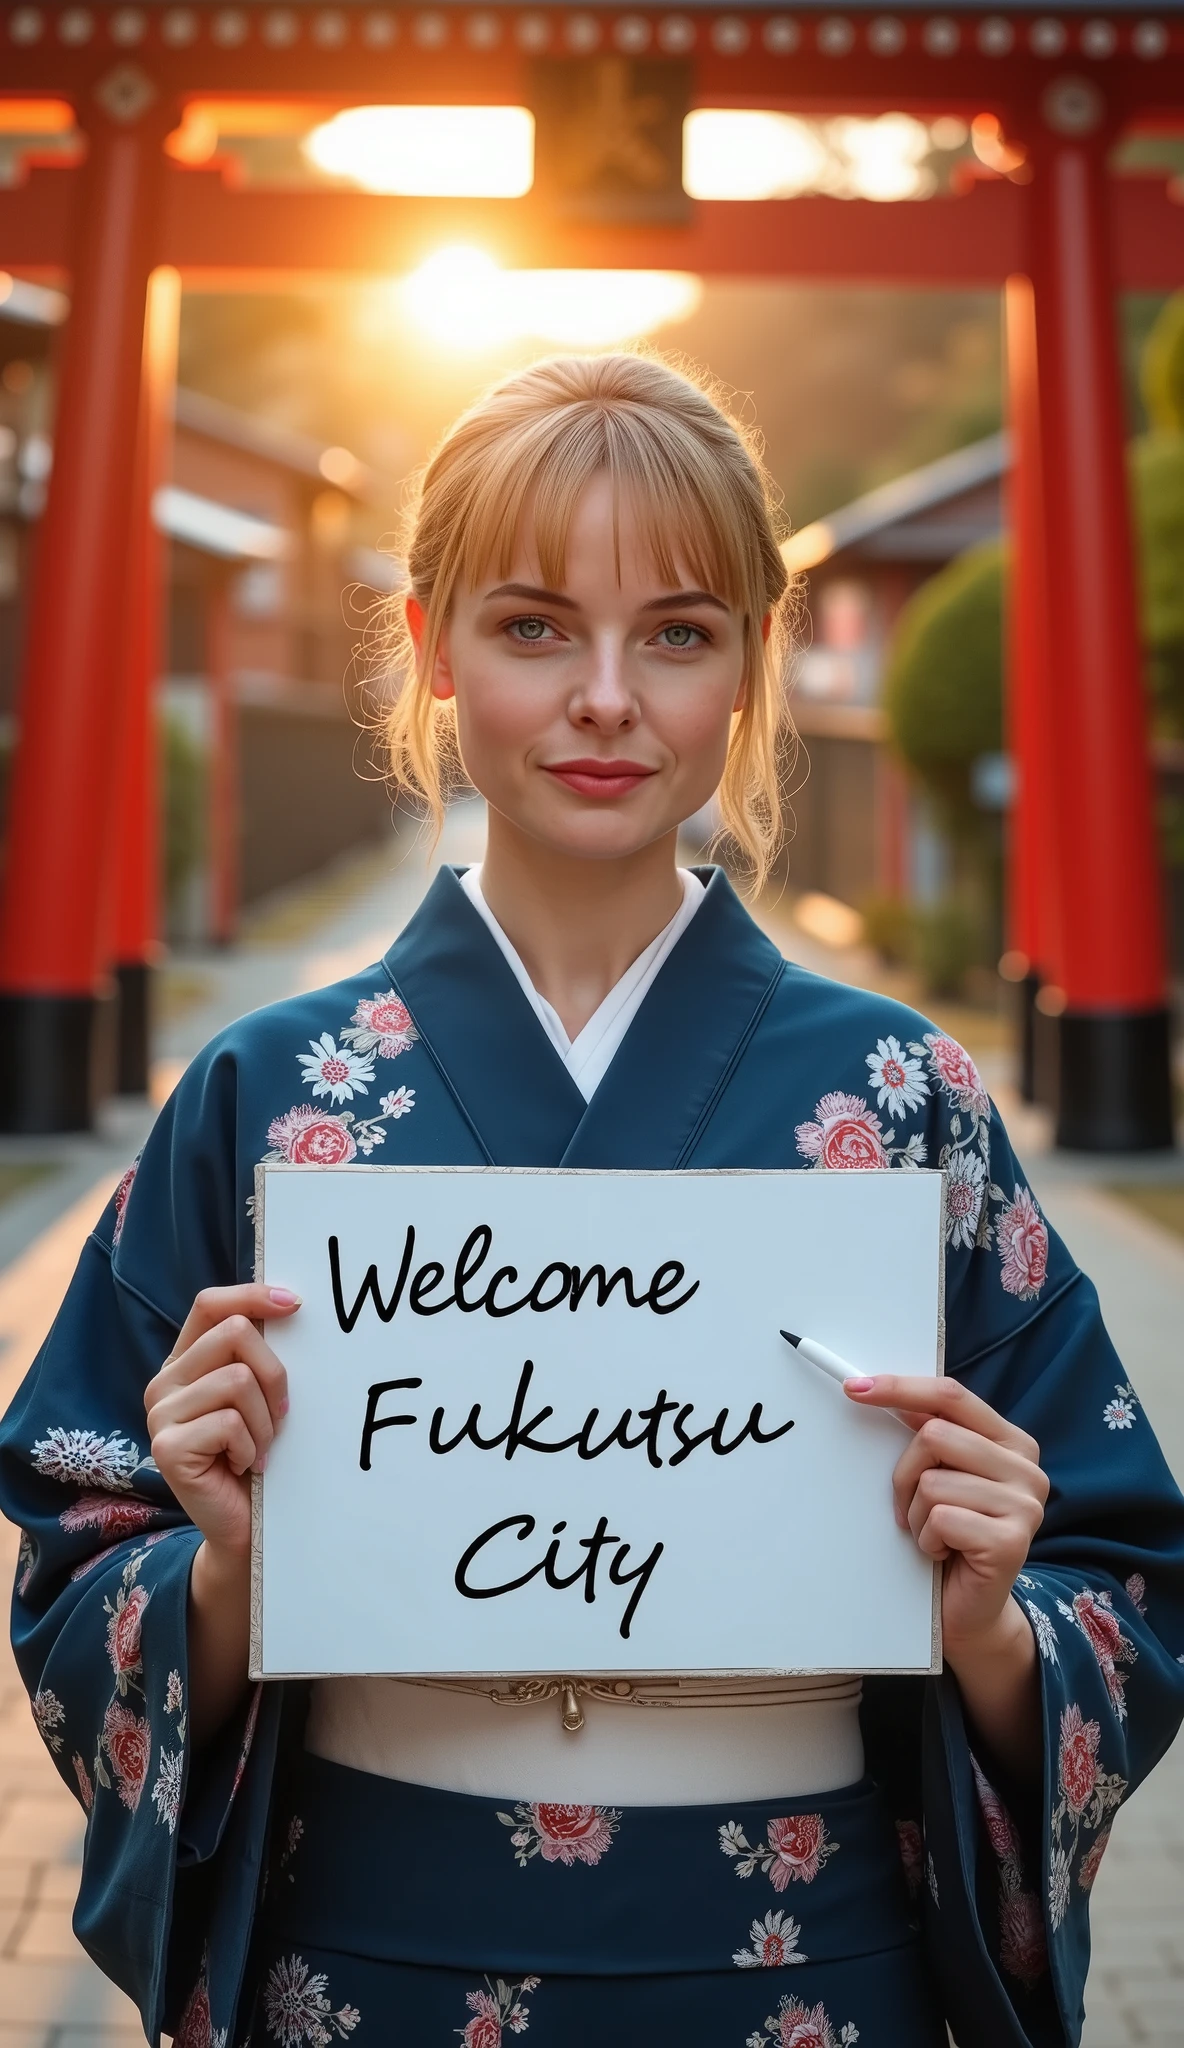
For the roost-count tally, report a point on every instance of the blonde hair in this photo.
(694, 480)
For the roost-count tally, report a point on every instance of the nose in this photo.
(605, 699)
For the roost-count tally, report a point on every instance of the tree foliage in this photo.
(943, 691)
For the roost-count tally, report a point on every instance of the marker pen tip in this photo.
(791, 1339)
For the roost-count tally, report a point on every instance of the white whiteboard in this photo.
(769, 1556)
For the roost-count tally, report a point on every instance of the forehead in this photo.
(614, 533)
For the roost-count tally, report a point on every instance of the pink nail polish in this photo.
(860, 1386)
(283, 1297)
(283, 1408)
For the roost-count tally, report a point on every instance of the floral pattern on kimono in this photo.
(795, 2025)
(561, 1834)
(496, 2011)
(782, 1069)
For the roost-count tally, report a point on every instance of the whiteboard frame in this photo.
(473, 1678)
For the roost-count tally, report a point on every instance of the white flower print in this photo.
(1122, 1412)
(381, 1024)
(166, 1793)
(931, 1879)
(80, 1457)
(774, 1944)
(1058, 1886)
(1043, 1630)
(26, 1559)
(966, 1186)
(174, 1693)
(338, 1073)
(297, 2006)
(400, 1103)
(49, 1714)
(899, 1080)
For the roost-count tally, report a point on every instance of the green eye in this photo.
(531, 630)
(681, 635)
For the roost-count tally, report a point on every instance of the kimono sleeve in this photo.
(1102, 1589)
(100, 1604)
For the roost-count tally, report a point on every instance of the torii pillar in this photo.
(1115, 1060)
(136, 849)
(55, 934)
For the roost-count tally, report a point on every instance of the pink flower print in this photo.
(381, 1025)
(799, 1846)
(1094, 1614)
(912, 1853)
(116, 1517)
(86, 1791)
(195, 2028)
(123, 1632)
(800, 2026)
(572, 1834)
(312, 1137)
(495, 2009)
(966, 1185)
(248, 1738)
(1078, 1762)
(485, 2028)
(1023, 1949)
(958, 1074)
(845, 1134)
(336, 1072)
(1091, 1863)
(121, 1194)
(899, 1081)
(996, 1819)
(127, 1740)
(1023, 1246)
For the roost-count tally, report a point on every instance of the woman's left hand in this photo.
(970, 1488)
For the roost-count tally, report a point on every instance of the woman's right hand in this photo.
(214, 1408)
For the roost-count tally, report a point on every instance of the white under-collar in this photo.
(588, 1056)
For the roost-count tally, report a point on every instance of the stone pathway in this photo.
(51, 1996)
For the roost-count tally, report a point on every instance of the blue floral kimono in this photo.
(736, 1059)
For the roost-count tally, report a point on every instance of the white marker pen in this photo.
(826, 1361)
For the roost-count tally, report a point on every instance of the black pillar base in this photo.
(133, 1031)
(1115, 1081)
(54, 1051)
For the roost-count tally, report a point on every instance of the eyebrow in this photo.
(681, 599)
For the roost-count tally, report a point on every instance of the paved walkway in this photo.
(50, 1995)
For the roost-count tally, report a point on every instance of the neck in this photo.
(577, 925)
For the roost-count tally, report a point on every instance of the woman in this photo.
(595, 631)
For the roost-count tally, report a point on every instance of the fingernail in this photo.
(260, 1464)
(859, 1386)
(283, 1407)
(283, 1297)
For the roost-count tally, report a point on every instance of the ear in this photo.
(440, 682)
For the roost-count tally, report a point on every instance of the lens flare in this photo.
(463, 299)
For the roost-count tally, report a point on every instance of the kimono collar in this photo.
(510, 1084)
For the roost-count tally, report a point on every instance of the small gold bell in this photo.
(572, 1715)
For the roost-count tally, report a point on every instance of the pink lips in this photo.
(601, 778)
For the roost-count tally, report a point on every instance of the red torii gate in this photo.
(1086, 909)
